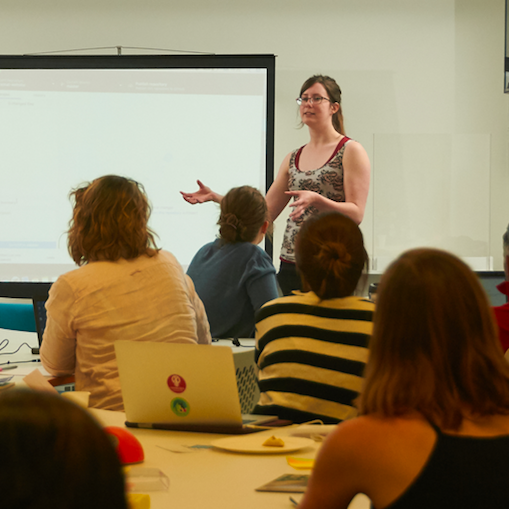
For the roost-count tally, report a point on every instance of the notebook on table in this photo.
(182, 387)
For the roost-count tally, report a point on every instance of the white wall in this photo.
(422, 84)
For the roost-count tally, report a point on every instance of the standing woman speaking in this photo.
(330, 173)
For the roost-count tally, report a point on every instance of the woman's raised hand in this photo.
(203, 195)
(302, 201)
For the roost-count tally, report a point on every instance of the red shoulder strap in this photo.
(297, 156)
(342, 141)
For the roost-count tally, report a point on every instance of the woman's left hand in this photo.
(303, 200)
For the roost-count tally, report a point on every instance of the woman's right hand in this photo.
(203, 195)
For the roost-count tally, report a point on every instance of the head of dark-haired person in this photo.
(55, 455)
(334, 96)
(330, 255)
(434, 347)
(243, 213)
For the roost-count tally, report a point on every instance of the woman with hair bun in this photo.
(232, 275)
(311, 348)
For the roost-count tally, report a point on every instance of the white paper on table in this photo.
(35, 380)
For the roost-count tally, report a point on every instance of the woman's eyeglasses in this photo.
(311, 100)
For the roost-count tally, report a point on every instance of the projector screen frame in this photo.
(254, 61)
(242, 61)
(24, 290)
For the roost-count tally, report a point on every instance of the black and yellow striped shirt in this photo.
(311, 356)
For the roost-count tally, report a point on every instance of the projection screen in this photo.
(164, 121)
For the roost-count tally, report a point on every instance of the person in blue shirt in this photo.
(233, 276)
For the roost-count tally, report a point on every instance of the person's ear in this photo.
(264, 227)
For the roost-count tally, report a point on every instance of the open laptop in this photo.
(182, 387)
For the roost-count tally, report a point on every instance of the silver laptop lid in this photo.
(178, 383)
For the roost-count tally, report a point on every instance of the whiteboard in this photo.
(431, 190)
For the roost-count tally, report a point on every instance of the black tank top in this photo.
(461, 472)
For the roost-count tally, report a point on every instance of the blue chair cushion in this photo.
(17, 317)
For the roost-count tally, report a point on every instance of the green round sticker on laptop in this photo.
(180, 407)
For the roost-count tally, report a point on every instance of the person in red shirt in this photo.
(502, 312)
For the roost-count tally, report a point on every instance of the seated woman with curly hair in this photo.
(125, 288)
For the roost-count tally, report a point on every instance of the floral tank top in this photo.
(327, 181)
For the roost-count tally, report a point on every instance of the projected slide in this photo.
(162, 127)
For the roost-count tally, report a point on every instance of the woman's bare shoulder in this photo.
(354, 148)
(373, 432)
(379, 456)
(285, 163)
(372, 423)
(351, 437)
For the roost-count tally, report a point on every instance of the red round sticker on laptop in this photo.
(176, 383)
